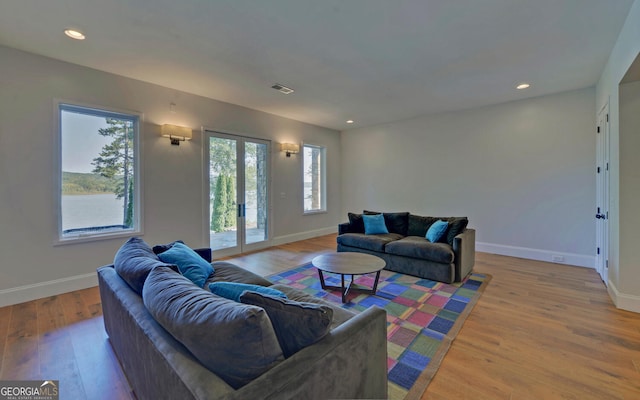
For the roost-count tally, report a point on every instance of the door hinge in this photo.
(607, 166)
(606, 264)
(598, 169)
(607, 117)
(598, 252)
(598, 130)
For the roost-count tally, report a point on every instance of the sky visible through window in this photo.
(81, 143)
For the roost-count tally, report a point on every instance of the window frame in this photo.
(61, 105)
(323, 179)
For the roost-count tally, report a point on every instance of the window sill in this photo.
(84, 238)
(314, 212)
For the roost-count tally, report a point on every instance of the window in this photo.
(98, 174)
(314, 178)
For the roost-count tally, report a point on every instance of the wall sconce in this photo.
(176, 133)
(290, 148)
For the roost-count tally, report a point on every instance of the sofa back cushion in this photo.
(235, 341)
(419, 225)
(134, 260)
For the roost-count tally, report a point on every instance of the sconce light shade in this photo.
(176, 133)
(290, 148)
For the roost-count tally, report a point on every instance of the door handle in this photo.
(600, 216)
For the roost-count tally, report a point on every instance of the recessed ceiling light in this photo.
(523, 86)
(74, 34)
(350, 121)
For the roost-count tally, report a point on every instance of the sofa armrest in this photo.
(464, 248)
(350, 362)
(344, 227)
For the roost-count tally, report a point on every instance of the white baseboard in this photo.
(303, 235)
(579, 260)
(623, 301)
(40, 290)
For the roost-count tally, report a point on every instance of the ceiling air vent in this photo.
(282, 89)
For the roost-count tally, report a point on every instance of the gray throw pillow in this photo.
(235, 341)
(297, 324)
(134, 260)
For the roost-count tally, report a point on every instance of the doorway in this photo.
(238, 193)
(602, 193)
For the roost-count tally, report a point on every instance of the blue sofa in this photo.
(406, 250)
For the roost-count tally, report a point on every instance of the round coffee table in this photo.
(346, 263)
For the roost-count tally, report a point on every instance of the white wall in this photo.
(624, 273)
(30, 266)
(523, 172)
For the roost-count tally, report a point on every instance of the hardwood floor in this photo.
(539, 331)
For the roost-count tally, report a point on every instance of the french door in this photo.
(238, 195)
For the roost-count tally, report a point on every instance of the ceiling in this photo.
(373, 61)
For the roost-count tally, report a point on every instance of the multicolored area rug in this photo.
(423, 318)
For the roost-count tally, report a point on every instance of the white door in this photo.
(237, 172)
(602, 193)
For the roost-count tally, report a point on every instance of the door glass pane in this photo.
(255, 162)
(222, 193)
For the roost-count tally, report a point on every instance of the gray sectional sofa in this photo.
(350, 361)
(405, 248)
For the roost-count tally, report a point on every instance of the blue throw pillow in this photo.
(233, 290)
(190, 264)
(374, 224)
(437, 230)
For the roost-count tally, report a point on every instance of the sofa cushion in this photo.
(457, 225)
(397, 222)
(227, 272)
(374, 224)
(134, 260)
(418, 225)
(297, 324)
(235, 341)
(356, 222)
(421, 248)
(340, 315)
(161, 248)
(437, 230)
(368, 242)
(233, 290)
(191, 265)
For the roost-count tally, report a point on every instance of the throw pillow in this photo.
(189, 262)
(233, 290)
(396, 222)
(355, 220)
(133, 262)
(457, 225)
(374, 224)
(161, 248)
(297, 324)
(437, 230)
(235, 341)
